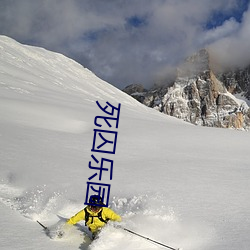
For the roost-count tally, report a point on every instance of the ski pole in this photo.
(45, 228)
(150, 239)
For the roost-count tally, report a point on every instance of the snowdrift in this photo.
(182, 185)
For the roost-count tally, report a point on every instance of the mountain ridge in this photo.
(200, 95)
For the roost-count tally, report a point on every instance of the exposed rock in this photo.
(201, 97)
(133, 88)
(137, 91)
(237, 81)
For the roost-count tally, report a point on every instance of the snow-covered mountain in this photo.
(182, 185)
(201, 96)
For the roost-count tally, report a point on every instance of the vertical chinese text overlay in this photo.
(103, 147)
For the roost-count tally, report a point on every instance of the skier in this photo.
(95, 216)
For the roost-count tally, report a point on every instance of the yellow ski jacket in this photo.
(94, 223)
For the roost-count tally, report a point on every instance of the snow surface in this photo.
(183, 185)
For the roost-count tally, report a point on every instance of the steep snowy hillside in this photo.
(179, 184)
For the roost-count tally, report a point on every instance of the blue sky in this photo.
(218, 17)
(131, 41)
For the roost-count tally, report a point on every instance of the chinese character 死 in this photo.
(111, 113)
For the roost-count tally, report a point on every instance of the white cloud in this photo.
(228, 28)
(233, 50)
(97, 32)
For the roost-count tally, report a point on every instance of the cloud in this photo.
(233, 49)
(228, 28)
(121, 41)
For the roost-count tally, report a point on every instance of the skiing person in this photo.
(95, 216)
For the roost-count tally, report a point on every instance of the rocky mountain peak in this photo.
(200, 96)
(196, 64)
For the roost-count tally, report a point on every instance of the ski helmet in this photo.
(95, 200)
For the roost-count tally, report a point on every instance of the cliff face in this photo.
(201, 97)
(237, 81)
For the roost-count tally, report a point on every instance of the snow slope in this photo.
(176, 183)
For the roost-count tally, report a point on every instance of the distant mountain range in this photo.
(201, 94)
